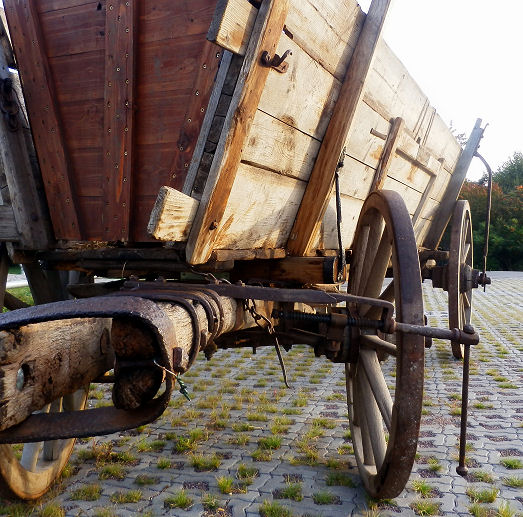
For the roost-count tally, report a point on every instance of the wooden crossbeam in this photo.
(391, 144)
(249, 88)
(44, 114)
(120, 34)
(318, 191)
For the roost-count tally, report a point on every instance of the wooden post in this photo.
(208, 220)
(453, 189)
(120, 35)
(24, 216)
(318, 191)
(387, 154)
(54, 161)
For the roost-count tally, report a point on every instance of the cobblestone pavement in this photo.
(264, 443)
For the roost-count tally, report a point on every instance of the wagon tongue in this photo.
(105, 420)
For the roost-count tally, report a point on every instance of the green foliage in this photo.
(506, 226)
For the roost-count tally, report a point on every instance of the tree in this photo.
(506, 222)
(510, 175)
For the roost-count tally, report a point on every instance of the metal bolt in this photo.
(204, 66)
(127, 29)
(189, 120)
(202, 109)
(186, 165)
(20, 379)
(110, 8)
(117, 68)
(181, 148)
(217, 54)
(125, 153)
(125, 179)
(126, 129)
(196, 92)
(213, 225)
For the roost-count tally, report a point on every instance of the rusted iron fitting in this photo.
(467, 336)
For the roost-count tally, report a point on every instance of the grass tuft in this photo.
(179, 500)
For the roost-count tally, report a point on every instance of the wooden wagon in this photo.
(273, 149)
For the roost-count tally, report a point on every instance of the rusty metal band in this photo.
(107, 420)
(270, 294)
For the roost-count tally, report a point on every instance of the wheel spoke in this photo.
(376, 343)
(466, 250)
(363, 408)
(466, 301)
(374, 422)
(387, 295)
(379, 266)
(359, 258)
(378, 385)
(52, 448)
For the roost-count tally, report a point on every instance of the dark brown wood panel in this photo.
(78, 78)
(168, 65)
(54, 5)
(193, 119)
(75, 30)
(120, 33)
(37, 81)
(174, 19)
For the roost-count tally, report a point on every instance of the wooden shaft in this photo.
(136, 385)
(39, 363)
(293, 270)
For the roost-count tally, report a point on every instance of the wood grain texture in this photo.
(119, 98)
(388, 153)
(232, 24)
(194, 116)
(51, 146)
(268, 28)
(172, 215)
(59, 357)
(317, 194)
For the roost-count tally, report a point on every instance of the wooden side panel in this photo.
(173, 79)
(118, 152)
(24, 25)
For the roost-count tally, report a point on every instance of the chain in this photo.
(250, 307)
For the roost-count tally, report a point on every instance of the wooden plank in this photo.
(119, 100)
(453, 189)
(260, 211)
(172, 215)
(45, 118)
(276, 146)
(248, 254)
(316, 196)
(232, 25)
(315, 25)
(8, 229)
(388, 154)
(5, 40)
(196, 109)
(266, 34)
(207, 122)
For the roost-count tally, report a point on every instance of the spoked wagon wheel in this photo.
(385, 413)
(460, 272)
(28, 473)
(40, 464)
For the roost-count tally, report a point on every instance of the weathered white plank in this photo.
(304, 96)
(232, 25)
(172, 215)
(261, 209)
(276, 146)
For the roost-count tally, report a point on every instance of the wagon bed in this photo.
(126, 98)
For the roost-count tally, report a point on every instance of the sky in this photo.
(466, 55)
